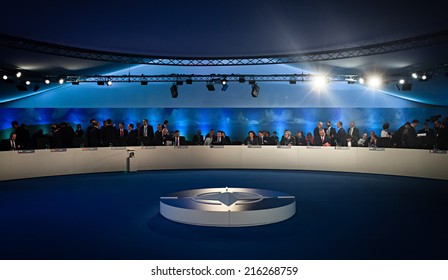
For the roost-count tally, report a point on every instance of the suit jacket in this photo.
(318, 141)
(263, 140)
(413, 141)
(301, 141)
(332, 135)
(150, 131)
(341, 137)
(285, 141)
(108, 135)
(8, 147)
(253, 142)
(355, 134)
(316, 132)
(131, 139)
(121, 140)
(198, 139)
(222, 141)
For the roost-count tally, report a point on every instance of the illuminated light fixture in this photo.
(320, 81)
(374, 81)
(224, 81)
(350, 80)
(255, 90)
(47, 81)
(292, 81)
(424, 78)
(241, 80)
(210, 86)
(403, 85)
(189, 81)
(414, 75)
(75, 83)
(144, 83)
(61, 81)
(36, 87)
(28, 83)
(5, 77)
(19, 74)
(100, 83)
(174, 92)
(361, 81)
(109, 83)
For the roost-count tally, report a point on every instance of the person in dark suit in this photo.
(317, 128)
(131, 139)
(79, 132)
(261, 139)
(57, 139)
(271, 140)
(198, 138)
(219, 140)
(341, 138)
(399, 138)
(88, 131)
(228, 140)
(322, 139)
(108, 134)
(300, 139)
(146, 132)
(251, 139)
(121, 135)
(177, 139)
(354, 134)
(331, 132)
(12, 144)
(95, 135)
(160, 138)
(68, 135)
(413, 141)
(288, 139)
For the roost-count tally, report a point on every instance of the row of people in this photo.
(64, 136)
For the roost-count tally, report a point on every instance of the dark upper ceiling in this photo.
(222, 28)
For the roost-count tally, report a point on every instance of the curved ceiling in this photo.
(220, 28)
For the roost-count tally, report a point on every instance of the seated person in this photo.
(251, 139)
(300, 139)
(309, 139)
(220, 139)
(287, 139)
(363, 141)
(323, 139)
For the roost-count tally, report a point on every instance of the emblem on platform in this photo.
(228, 207)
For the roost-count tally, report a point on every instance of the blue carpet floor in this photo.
(116, 216)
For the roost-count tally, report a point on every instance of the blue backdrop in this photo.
(236, 122)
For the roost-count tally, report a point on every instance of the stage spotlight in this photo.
(61, 81)
(361, 81)
(109, 83)
(188, 81)
(292, 81)
(144, 83)
(252, 82)
(5, 77)
(75, 83)
(424, 78)
(36, 87)
(403, 85)
(174, 92)
(210, 86)
(224, 81)
(19, 74)
(350, 80)
(320, 82)
(47, 81)
(100, 83)
(414, 75)
(255, 90)
(375, 81)
(27, 83)
(241, 80)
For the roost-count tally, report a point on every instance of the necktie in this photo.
(351, 131)
(145, 132)
(13, 144)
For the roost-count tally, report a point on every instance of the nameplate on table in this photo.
(341, 148)
(284, 147)
(313, 147)
(442, 152)
(118, 148)
(90, 149)
(254, 146)
(25, 151)
(148, 147)
(180, 147)
(216, 146)
(58, 150)
(377, 149)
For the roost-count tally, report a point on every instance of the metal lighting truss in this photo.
(214, 78)
(374, 49)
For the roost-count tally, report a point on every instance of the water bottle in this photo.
(349, 143)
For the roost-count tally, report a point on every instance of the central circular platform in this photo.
(228, 207)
